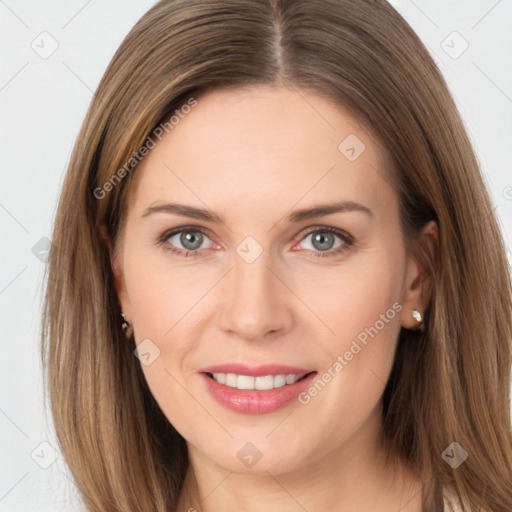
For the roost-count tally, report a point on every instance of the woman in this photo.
(276, 278)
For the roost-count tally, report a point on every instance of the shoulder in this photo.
(450, 501)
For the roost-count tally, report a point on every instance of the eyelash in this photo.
(346, 238)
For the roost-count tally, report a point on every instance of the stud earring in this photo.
(127, 328)
(419, 318)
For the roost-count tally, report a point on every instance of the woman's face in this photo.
(268, 279)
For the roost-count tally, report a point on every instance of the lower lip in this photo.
(249, 401)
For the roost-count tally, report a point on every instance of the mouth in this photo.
(260, 383)
(255, 390)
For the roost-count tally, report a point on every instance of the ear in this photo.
(117, 272)
(419, 280)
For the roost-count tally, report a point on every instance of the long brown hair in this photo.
(449, 384)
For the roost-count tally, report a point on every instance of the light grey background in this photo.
(43, 99)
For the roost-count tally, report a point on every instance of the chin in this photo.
(257, 457)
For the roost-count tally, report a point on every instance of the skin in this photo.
(252, 156)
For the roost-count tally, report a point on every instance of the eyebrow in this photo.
(296, 216)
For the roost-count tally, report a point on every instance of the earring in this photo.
(127, 328)
(419, 318)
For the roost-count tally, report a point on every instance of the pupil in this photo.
(323, 241)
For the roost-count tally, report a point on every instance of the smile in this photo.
(255, 390)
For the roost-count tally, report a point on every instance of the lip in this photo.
(255, 401)
(255, 371)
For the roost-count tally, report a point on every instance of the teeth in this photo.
(263, 383)
(231, 380)
(220, 378)
(279, 381)
(290, 379)
(245, 382)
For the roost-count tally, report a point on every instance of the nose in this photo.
(256, 303)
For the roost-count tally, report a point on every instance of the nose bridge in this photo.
(255, 300)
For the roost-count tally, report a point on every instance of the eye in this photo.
(185, 241)
(323, 242)
(188, 241)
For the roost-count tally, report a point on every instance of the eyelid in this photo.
(164, 237)
(348, 241)
(330, 229)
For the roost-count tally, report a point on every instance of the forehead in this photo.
(263, 150)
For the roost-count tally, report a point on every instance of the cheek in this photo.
(160, 296)
(165, 310)
(365, 296)
(163, 317)
(362, 307)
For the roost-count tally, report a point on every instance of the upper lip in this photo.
(255, 371)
